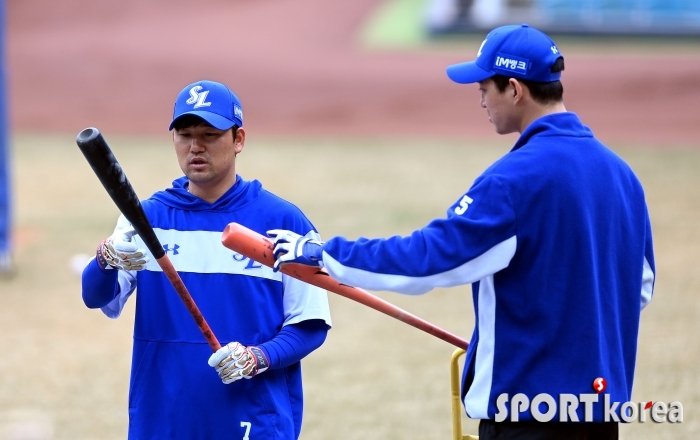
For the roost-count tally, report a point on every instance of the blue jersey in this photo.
(173, 391)
(556, 240)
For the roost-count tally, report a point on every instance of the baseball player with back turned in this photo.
(269, 320)
(554, 237)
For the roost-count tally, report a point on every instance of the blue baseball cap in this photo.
(517, 51)
(211, 101)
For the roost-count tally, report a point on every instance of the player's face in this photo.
(499, 106)
(207, 155)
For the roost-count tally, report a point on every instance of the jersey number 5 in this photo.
(246, 425)
(463, 205)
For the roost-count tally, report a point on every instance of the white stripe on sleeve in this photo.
(488, 263)
(127, 285)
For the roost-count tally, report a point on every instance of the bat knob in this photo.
(87, 135)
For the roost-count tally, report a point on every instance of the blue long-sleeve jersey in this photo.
(173, 393)
(556, 240)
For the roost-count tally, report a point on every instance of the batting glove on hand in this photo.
(120, 252)
(235, 362)
(293, 248)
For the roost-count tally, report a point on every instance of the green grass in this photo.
(64, 369)
(395, 23)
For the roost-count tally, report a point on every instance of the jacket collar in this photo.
(179, 197)
(555, 124)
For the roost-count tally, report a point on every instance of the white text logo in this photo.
(569, 403)
(511, 64)
(478, 54)
(198, 99)
(463, 205)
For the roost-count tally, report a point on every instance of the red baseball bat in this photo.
(112, 177)
(260, 248)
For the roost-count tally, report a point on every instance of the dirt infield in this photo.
(298, 70)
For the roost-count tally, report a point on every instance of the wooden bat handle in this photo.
(259, 248)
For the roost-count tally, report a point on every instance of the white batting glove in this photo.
(119, 251)
(234, 362)
(291, 247)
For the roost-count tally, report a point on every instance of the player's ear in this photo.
(239, 140)
(517, 90)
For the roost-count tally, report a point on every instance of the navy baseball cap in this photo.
(211, 101)
(517, 51)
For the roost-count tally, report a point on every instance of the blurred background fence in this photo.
(608, 17)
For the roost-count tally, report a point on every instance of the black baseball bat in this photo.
(112, 177)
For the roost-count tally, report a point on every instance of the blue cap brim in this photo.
(216, 121)
(467, 73)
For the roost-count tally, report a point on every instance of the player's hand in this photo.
(119, 251)
(293, 248)
(234, 362)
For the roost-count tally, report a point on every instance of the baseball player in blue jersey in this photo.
(267, 320)
(556, 241)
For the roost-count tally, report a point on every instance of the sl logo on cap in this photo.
(478, 54)
(198, 99)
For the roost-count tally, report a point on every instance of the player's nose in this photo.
(196, 144)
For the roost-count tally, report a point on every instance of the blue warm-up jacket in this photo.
(556, 240)
(174, 393)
